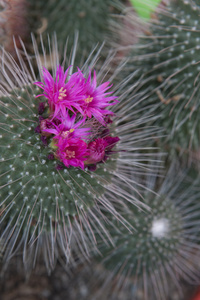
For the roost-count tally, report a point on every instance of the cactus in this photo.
(94, 20)
(79, 171)
(56, 181)
(164, 244)
(167, 58)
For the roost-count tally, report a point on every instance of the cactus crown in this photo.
(157, 250)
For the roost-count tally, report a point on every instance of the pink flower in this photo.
(96, 151)
(111, 142)
(67, 127)
(95, 99)
(100, 149)
(62, 92)
(76, 114)
(72, 152)
(46, 126)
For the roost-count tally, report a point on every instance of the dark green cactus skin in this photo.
(35, 196)
(45, 207)
(163, 242)
(168, 60)
(92, 20)
(141, 249)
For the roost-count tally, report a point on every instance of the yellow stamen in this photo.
(70, 154)
(88, 99)
(65, 133)
(62, 93)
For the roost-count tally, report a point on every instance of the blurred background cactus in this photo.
(168, 63)
(165, 242)
(120, 212)
(96, 22)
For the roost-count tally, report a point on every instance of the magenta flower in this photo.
(45, 126)
(67, 127)
(77, 114)
(95, 99)
(100, 149)
(96, 151)
(72, 152)
(62, 93)
(111, 142)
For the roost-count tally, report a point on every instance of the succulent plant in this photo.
(164, 244)
(65, 158)
(167, 60)
(94, 20)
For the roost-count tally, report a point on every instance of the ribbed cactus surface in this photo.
(167, 59)
(52, 193)
(163, 246)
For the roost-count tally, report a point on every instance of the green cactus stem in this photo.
(164, 244)
(168, 63)
(47, 207)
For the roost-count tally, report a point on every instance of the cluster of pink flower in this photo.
(74, 121)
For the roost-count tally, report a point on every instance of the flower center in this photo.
(67, 132)
(62, 93)
(70, 154)
(88, 99)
